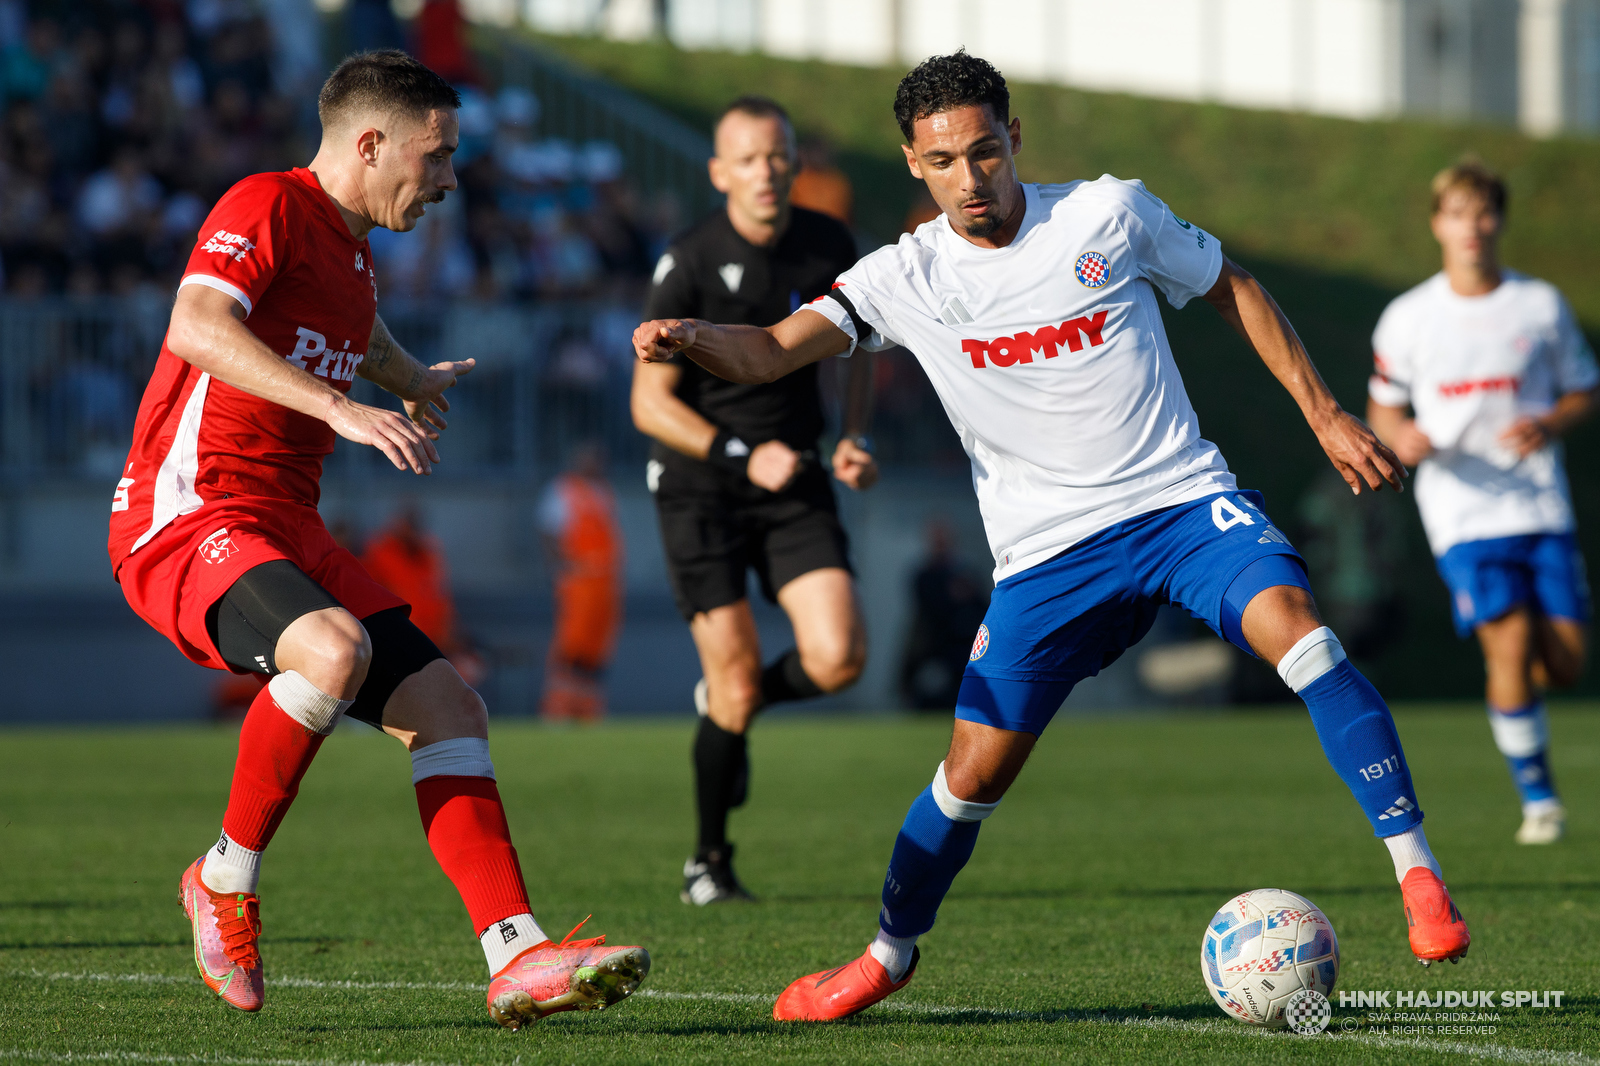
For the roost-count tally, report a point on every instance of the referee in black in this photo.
(735, 474)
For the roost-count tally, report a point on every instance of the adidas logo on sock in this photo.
(508, 932)
(1401, 806)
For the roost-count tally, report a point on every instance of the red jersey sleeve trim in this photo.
(213, 282)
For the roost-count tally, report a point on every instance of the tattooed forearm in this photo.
(381, 347)
(388, 365)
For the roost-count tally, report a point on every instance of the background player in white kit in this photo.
(1032, 309)
(1495, 370)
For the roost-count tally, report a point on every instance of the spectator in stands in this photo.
(117, 134)
(441, 42)
(28, 65)
(371, 25)
(583, 542)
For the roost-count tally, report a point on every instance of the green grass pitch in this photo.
(1072, 936)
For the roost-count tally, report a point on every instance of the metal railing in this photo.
(661, 155)
(549, 377)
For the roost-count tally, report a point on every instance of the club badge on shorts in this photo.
(217, 547)
(1093, 269)
(980, 644)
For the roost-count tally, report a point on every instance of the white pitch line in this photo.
(1492, 1052)
(176, 1060)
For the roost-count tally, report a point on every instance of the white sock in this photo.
(1410, 850)
(508, 938)
(894, 952)
(231, 867)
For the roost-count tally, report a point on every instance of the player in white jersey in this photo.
(1032, 308)
(1495, 371)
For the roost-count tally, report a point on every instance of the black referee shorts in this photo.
(711, 539)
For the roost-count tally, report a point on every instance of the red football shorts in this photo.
(173, 581)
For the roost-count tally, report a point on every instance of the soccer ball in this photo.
(1261, 948)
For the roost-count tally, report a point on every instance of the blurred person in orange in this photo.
(408, 561)
(821, 186)
(578, 522)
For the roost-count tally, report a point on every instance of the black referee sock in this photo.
(719, 765)
(785, 679)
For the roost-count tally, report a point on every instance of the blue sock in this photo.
(1357, 733)
(1522, 735)
(930, 850)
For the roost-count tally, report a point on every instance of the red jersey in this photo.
(278, 245)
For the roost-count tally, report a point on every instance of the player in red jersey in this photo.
(217, 543)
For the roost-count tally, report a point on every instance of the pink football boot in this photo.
(225, 930)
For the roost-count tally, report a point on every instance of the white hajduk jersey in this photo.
(1470, 366)
(1050, 358)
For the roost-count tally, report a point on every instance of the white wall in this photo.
(1533, 60)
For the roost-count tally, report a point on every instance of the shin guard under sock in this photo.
(1356, 730)
(935, 842)
(466, 827)
(276, 746)
(721, 777)
(785, 679)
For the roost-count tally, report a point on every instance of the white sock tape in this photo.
(958, 810)
(1520, 735)
(461, 757)
(1312, 656)
(306, 703)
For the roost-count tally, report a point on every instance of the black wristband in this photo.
(729, 452)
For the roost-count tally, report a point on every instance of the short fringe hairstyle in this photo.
(385, 81)
(755, 107)
(1472, 175)
(944, 83)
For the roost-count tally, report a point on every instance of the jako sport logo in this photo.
(1009, 351)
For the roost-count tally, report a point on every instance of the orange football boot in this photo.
(573, 975)
(841, 992)
(226, 926)
(1435, 926)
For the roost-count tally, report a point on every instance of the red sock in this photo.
(274, 753)
(466, 826)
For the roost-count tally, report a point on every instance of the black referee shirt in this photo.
(712, 273)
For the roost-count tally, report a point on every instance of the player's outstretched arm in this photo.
(208, 331)
(1355, 451)
(748, 355)
(421, 388)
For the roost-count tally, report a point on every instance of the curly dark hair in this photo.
(944, 83)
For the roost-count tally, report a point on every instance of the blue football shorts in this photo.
(1487, 578)
(1066, 619)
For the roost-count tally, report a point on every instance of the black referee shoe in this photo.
(708, 878)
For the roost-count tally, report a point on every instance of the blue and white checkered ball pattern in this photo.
(1261, 948)
(1093, 269)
